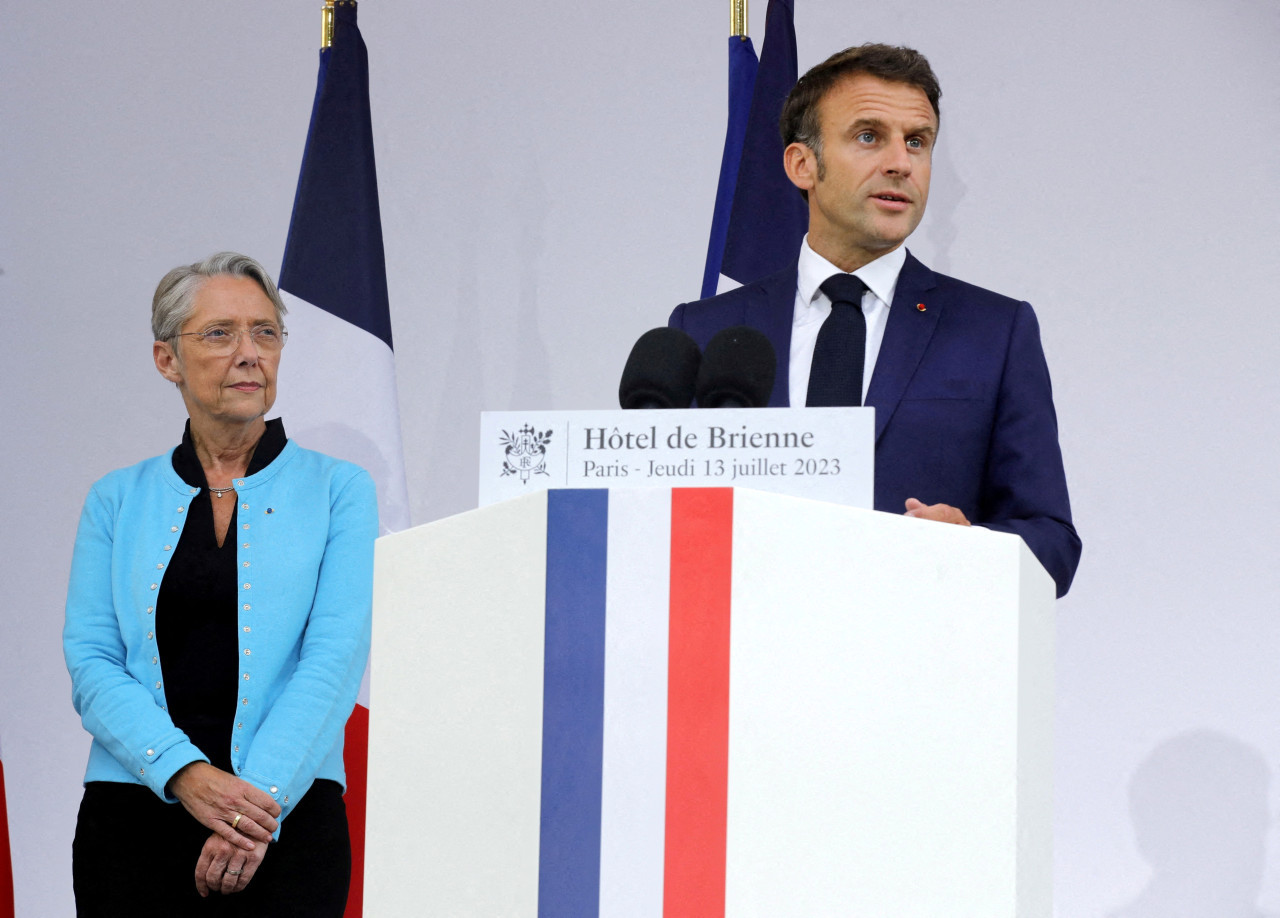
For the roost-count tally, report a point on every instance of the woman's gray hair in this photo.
(175, 297)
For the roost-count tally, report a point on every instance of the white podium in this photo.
(704, 702)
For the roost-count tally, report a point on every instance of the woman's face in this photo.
(225, 388)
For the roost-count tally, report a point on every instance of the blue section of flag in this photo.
(573, 704)
(334, 257)
(742, 79)
(769, 217)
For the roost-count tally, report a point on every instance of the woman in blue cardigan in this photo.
(217, 627)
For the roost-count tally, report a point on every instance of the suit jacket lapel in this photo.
(771, 310)
(906, 336)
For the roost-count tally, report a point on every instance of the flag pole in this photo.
(738, 18)
(326, 25)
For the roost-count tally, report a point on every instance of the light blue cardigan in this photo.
(305, 529)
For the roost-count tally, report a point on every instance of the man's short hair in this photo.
(800, 123)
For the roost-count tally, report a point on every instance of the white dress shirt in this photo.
(813, 306)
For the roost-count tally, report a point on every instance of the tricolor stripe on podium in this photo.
(597, 704)
(663, 734)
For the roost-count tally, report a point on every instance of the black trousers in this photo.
(135, 855)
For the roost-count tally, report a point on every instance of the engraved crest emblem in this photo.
(526, 453)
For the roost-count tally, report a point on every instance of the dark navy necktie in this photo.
(835, 377)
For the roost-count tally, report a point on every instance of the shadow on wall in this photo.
(343, 442)
(947, 191)
(1199, 804)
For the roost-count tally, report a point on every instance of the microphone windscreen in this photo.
(737, 370)
(661, 371)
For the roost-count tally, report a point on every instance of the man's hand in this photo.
(234, 809)
(943, 513)
(224, 868)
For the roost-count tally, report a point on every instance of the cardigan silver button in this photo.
(237, 747)
(180, 509)
(246, 564)
(142, 771)
(159, 567)
(245, 526)
(240, 482)
(246, 545)
(246, 607)
(244, 506)
(154, 585)
(246, 677)
(247, 629)
(151, 752)
(173, 528)
(150, 635)
(248, 652)
(240, 726)
(168, 548)
(286, 798)
(155, 661)
(157, 685)
(150, 609)
(248, 586)
(244, 700)
(274, 789)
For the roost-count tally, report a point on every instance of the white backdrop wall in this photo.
(547, 174)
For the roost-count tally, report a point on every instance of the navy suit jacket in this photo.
(964, 409)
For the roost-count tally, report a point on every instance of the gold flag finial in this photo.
(326, 25)
(738, 18)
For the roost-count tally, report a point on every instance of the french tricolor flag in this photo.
(338, 382)
(759, 217)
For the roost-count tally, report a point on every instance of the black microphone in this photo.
(661, 371)
(737, 370)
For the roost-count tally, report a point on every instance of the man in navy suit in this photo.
(965, 426)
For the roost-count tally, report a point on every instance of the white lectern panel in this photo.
(890, 736)
(887, 701)
(455, 741)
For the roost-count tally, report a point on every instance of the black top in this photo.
(196, 616)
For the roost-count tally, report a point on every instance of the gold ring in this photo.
(235, 822)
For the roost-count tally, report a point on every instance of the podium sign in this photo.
(823, 453)
(708, 702)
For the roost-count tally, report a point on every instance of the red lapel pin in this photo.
(920, 306)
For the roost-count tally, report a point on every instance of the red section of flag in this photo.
(6, 864)
(698, 702)
(356, 761)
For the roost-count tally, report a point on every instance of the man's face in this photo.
(868, 189)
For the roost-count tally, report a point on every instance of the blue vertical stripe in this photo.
(333, 257)
(573, 704)
(742, 79)
(768, 218)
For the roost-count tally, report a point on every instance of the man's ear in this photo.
(801, 165)
(167, 361)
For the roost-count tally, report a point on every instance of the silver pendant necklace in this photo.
(218, 492)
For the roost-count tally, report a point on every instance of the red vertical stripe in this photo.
(6, 866)
(355, 759)
(698, 702)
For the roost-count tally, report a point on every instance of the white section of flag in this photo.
(725, 284)
(337, 395)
